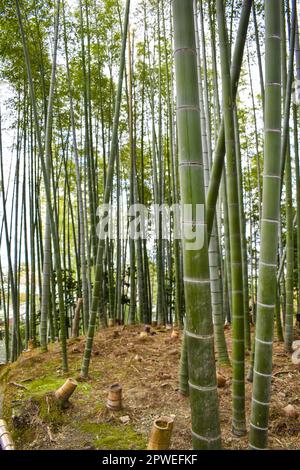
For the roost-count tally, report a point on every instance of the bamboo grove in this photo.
(165, 103)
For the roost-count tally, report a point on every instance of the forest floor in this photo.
(147, 369)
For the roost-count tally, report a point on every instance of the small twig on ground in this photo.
(50, 434)
(15, 384)
(281, 372)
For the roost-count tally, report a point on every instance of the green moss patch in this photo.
(43, 385)
(50, 383)
(111, 436)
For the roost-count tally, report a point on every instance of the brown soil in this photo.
(147, 369)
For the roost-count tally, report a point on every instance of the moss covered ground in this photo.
(147, 369)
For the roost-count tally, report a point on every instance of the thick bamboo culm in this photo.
(66, 390)
(114, 399)
(6, 442)
(160, 437)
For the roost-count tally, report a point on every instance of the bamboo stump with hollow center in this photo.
(63, 394)
(114, 399)
(6, 442)
(160, 437)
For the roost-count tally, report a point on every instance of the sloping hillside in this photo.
(147, 369)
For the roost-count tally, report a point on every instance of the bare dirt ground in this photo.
(147, 369)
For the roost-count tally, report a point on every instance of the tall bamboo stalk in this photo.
(45, 302)
(219, 152)
(106, 199)
(199, 328)
(214, 255)
(81, 218)
(269, 231)
(238, 346)
(52, 214)
(285, 156)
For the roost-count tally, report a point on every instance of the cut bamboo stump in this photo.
(160, 437)
(114, 399)
(6, 442)
(63, 394)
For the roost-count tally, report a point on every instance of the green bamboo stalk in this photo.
(184, 368)
(106, 199)
(174, 185)
(256, 136)
(287, 90)
(296, 148)
(219, 152)
(247, 334)
(297, 175)
(217, 111)
(47, 236)
(289, 278)
(199, 327)
(27, 300)
(15, 222)
(53, 223)
(5, 314)
(7, 240)
(205, 85)
(260, 68)
(117, 307)
(279, 329)
(213, 251)
(33, 203)
(269, 231)
(87, 140)
(81, 218)
(238, 348)
(133, 248)
(225, 269)
(285, 156)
